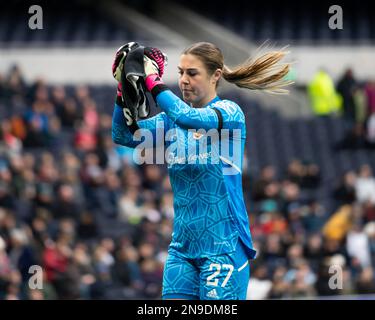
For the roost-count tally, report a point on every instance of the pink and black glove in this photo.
(158, 59)
(154, 64)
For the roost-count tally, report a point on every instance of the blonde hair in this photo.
(263, 72)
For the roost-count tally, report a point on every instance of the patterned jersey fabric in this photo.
(204, 166)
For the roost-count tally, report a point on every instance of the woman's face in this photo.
(194, 81)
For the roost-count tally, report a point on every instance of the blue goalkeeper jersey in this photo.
(204, 166)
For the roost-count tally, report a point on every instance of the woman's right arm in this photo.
(146, 134)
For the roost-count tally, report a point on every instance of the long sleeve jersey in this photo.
(210, 215)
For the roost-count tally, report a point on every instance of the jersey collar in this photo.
(212, 101)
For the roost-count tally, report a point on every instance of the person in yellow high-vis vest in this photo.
(323, 96)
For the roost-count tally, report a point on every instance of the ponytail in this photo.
(264, 72)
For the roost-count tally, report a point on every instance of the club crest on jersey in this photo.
(197, 135)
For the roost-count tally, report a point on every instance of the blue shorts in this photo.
(221, 277)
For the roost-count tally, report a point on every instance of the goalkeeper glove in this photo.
(117, 68)
(154, 61)
(154, 64)
(118, 63)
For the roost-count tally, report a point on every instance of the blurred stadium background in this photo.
(76, 204)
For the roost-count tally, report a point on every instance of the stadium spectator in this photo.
(301, 280)
(15, 85)
(267, 177)
(365, 185)
(280, 286)
(8, 141)
(313, 217)
(365, 283)
(345, 191)
(338, 225)
(360, 101)
(324, 98)
(370, 130)
(346, 88)
(313, 251)
(259, 284)
(304, 175)
(65, 204)
(68, 113)
(357, 245)
(370, 94)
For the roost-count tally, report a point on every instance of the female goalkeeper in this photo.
(211, 246)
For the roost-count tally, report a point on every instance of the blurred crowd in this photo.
(76, 204)
(349, 98)
(65, 188)
(302, 245)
